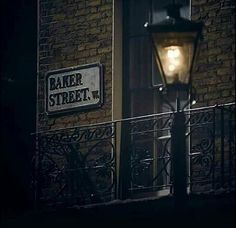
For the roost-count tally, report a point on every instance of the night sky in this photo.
(17, 101)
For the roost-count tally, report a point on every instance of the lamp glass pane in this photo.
(175, 52)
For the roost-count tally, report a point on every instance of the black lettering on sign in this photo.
(78, 79)
(52, 82)
(69, 97)
(65, 81)
(77, 96)
(95, 94)
(51, 100)
(85, 94)
(58, 83)
(64, 96)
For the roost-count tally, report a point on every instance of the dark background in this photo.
(18, 72)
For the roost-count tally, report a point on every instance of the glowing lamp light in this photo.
(175, 41)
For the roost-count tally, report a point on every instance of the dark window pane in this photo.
(138, 15)
(140, 62)
(141, 102)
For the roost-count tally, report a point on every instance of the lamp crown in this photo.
(173, 10)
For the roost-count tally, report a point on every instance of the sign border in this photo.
(78, 109)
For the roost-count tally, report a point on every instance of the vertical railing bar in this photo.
(115, 160)
(233, 151)
(222, 137)
(155, 159)
(230, 148)
(188, 137)
(234, 148)
(39, 171)
(125, 164)
(36, 172)
(189, 154)
(213, 147)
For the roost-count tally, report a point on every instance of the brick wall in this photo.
(71, 33)
(214, 76)
(77, 32)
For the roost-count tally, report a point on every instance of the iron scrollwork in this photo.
(150, 156)
(76, 165)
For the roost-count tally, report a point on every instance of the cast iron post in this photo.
(178, 149)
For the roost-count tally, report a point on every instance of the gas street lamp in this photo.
(175, 44)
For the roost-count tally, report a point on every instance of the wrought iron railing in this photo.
(80, 165)
(212, 149)
(210, 140)
(76, 165)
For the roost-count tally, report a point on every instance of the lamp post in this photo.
(175, 43)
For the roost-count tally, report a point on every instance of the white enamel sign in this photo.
(74, 88)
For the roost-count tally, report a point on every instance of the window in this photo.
(139, 90)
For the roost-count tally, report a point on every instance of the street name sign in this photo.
(74, 89)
